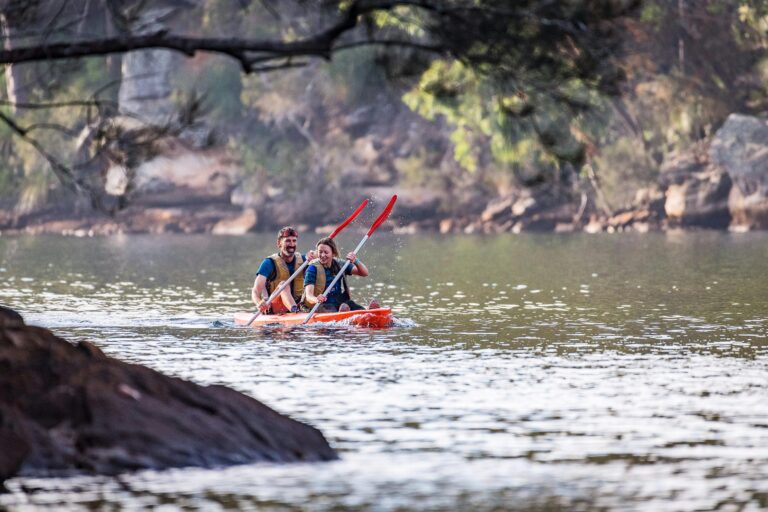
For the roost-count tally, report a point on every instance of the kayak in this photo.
(380, 317)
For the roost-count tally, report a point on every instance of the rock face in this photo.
(740, 148)
(239, 225)
(69, 409)
(145, 90)
(700, 201)
(178, 176)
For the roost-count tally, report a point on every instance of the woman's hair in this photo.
(330, 243)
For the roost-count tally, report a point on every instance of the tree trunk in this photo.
(16, 87)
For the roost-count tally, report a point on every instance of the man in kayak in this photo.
(322, 272)
(275, 270)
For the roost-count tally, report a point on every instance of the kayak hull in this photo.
(380, 317)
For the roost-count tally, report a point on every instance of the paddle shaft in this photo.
(335, 280)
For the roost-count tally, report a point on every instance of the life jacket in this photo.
(282, 274)
(320, 279)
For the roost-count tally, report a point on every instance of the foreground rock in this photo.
(69, 409)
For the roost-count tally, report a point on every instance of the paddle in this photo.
(306, 262)
(378, 222)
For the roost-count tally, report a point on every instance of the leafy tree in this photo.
(533, 65)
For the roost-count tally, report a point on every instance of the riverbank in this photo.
(509, 214)
(719, 184)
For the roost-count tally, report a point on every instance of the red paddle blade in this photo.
(379, 221)
(349, 219)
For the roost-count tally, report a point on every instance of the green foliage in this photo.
(521, 133)
(652, 14)
(625, 166)
(529, 87)
(355, 76)
(450, 90)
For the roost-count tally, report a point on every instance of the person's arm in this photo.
(358, 268)
(312, 299)
(259, 291)
(310, 277)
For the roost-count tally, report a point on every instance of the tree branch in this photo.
(318, 45)
(64, 173)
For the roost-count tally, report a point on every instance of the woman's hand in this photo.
(321, 298)
(352, 257)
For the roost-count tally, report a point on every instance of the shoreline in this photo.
(224, 220)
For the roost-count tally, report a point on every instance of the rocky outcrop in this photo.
(700, 201)
(145, 88)
(530, 210)
(177, 176)
(69, 409)
(740, 149)
(239, 225)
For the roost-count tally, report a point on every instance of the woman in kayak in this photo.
(322, 272)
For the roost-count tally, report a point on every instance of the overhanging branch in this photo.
(247, 51)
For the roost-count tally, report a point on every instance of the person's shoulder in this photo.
(267, 266)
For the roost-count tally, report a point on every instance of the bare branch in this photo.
(51, 126)
(64, 173)
(62, 104)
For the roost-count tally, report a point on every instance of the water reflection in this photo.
(551, 372)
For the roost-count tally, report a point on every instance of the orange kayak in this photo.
(381, 317)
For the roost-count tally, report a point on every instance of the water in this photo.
(546, 372)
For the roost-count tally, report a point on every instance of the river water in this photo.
(536, 372)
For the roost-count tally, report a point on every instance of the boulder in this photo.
(627, 218)
(146, 89)
(69, 409)
(540, 209)
(10, 318)
(740, 148)
(147, 94)
(179, 177)
(498, 209)
(700, 201)
(171, 174)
